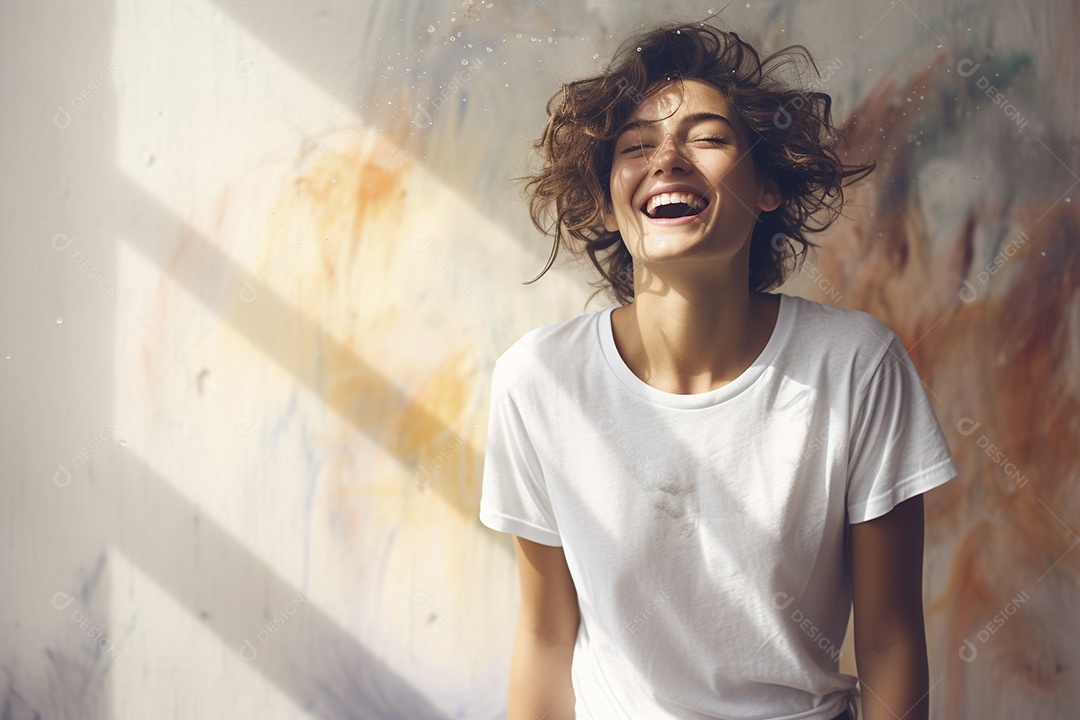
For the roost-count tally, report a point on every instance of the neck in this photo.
(694, 337)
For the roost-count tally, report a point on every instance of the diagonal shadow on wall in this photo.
(310, 657)
(213, 278)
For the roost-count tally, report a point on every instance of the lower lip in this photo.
(684, 220)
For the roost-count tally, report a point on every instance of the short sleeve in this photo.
(513, 496)
(897, 448)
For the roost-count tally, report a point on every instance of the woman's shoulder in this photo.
(550, 346)
(834, 320)
(841, 336)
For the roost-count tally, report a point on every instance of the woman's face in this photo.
(683, 183)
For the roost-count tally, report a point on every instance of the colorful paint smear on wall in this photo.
(357, 334)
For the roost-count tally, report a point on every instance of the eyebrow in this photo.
(691, 119)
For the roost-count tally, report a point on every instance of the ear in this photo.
(770, 195)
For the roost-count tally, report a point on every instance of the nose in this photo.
(670, 156)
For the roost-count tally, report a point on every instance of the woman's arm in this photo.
(546, 632)
(890, 638)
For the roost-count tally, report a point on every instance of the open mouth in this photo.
(674, 205)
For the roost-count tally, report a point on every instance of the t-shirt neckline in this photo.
(639, 387)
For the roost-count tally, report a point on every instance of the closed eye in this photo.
(714, 140)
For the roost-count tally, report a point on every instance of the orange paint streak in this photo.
(346, 212)
(1001, 361)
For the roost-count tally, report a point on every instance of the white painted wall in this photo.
(258, 260)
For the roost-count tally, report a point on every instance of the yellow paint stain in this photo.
(349, 266)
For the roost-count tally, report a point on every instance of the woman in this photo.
(701, 480)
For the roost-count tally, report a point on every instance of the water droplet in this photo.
(333, 180)
(595, 55)
(123, 443)
(7, 357)
(59, 320)
(273, 212)
(747, 4)
(519, 36)
(431, 28)
(488, 49)
(639, 49)
(464, 62)
(1068, 200)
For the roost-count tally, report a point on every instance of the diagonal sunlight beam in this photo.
(310, 658)
(380, 32)
(258, 322)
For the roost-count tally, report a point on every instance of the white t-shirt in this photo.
(705, 533)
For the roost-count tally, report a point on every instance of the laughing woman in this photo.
(701, 479)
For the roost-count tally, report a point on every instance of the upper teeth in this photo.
(674, 197)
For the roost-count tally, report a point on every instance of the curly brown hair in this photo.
(790, 129)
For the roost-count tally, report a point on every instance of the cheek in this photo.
(623, 181)
(740, 173)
